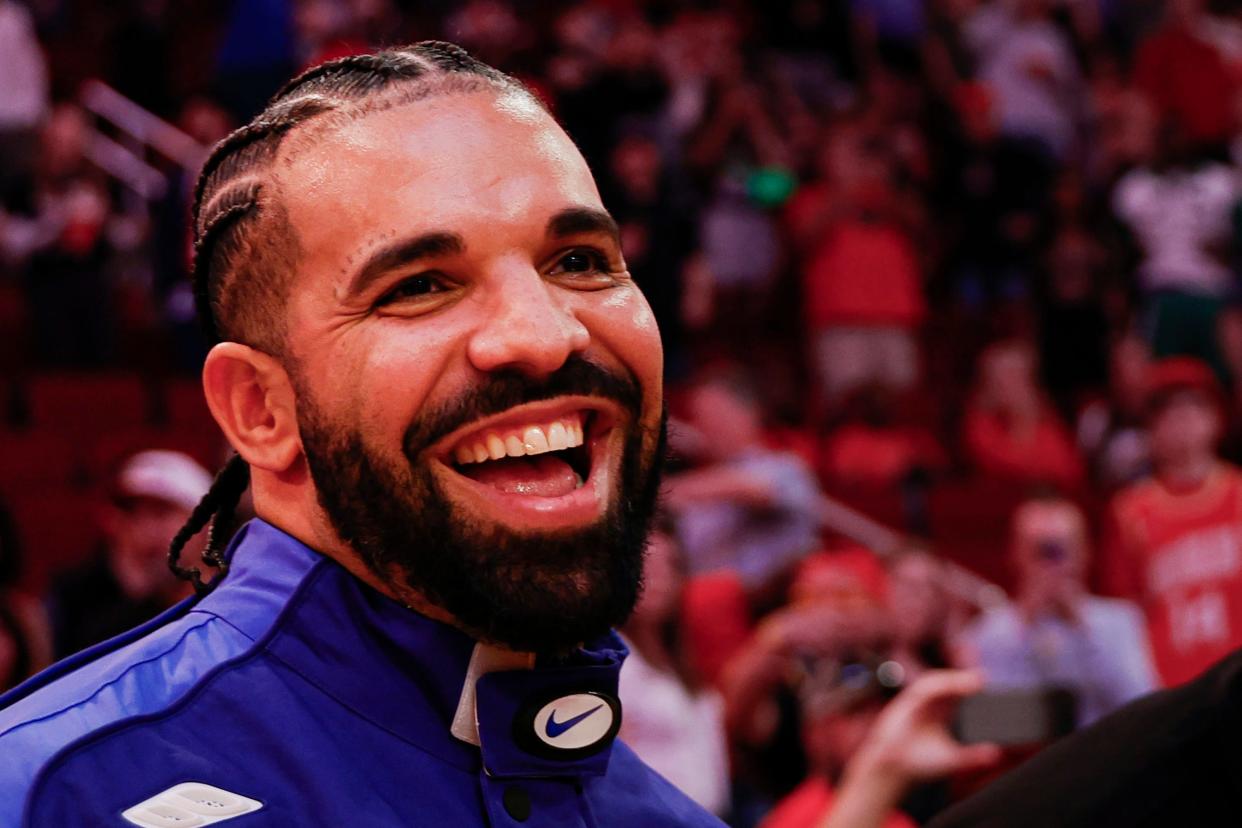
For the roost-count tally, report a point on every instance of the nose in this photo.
(528, 327)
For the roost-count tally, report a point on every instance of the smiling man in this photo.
(444, 390)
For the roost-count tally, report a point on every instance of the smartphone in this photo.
(1016, 717)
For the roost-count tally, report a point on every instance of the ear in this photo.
(252, 399)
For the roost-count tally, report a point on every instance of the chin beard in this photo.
(545, 592)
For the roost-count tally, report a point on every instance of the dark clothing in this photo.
(88, 606)
(1168, 759)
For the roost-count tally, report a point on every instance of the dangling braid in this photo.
(216, 508)
(244, 248)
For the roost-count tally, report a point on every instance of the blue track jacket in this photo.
(295, 695)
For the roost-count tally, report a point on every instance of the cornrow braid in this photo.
(233, 274)
(217, 507)
(244, 245)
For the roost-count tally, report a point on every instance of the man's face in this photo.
(1186, 427)
(1050, 543)
(138, 531)
(479, 386)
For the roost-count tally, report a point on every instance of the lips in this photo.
(544, 464)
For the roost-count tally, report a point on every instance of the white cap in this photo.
(164, 475)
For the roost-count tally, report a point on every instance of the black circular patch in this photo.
(528, 740)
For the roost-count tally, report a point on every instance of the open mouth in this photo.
(541, 459)
(538, 466)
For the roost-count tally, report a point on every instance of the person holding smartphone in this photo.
(1055, 634)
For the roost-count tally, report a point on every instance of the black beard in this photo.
(542, 592)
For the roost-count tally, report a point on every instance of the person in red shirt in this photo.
(1185, 76)
(1010, 430)
(876, 443)
(840, 699)
(1175, 540)
(856, 234)
(867, 753)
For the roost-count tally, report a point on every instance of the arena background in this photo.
(934, 247)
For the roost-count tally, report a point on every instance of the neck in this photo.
(1186, 473)
(318, 534)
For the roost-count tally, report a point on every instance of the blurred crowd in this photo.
(964, 269)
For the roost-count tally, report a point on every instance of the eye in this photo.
(582, 261)
(588, 262)
(414, 287)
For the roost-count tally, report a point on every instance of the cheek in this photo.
(622, 324)
(381, 381)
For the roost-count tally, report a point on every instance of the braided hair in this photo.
(244, 245)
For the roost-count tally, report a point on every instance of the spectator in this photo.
(1179, 208)
(1111, 431)
(25, 638)
(922, 613)
(861, 276)
(1029, 63)
(908, 743)
(1055, 634)
(737, 141)
(655, 235)
(873, 446)
(748, 508)
(129, 582)
(1010, 430)
(840, 700)
(60, 239)
(1185, 76)
(607, 66)
(836, 607)
(671, 721)
(23, 95)
(1122, 120)
(1175, 541)
(1073, 319)
(893, 30)
(994, 191)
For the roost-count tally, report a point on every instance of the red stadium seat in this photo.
(35, 459)
(56, 529)
(87, 403)
(970, 522)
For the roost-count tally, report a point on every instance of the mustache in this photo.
(508, 388)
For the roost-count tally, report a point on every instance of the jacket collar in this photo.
(406, 673)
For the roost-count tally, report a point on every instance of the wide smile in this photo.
(545, 465)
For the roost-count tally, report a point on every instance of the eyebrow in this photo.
(403, 254)
(572, 221)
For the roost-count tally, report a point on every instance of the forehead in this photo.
(1184, 399)
(1048, 519)
(478, 160)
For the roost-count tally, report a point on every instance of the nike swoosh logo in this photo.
(555, 728)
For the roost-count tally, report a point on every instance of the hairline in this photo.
(274, 217)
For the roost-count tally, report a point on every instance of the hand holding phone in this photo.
(909, 743)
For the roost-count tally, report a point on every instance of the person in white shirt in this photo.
(1055, 634)
(674, 724)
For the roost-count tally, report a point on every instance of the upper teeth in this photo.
(520, 441)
